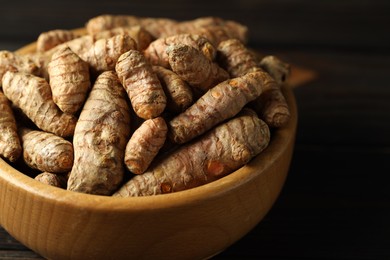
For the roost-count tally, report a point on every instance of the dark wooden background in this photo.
(336, 201)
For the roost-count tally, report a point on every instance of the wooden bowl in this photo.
(192, 224)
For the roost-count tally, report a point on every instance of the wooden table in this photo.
(336, 201)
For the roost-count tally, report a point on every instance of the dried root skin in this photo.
(142, 85)
(33, 96)
(219, 152)
(10, 61)
(100, 138)
(10, 147)
(236, 58)
(221, 102)
(79, 46)
(46, 152)
(213, 33)
(51, 179)
(158, 27)
(142, 37)
(163, 27)
(105, 52)
(69, 80)
(156, 52)
(106, 22)
(100, 55)
(277, 68)
(237, 30)
(50, 39)
(272, 107)
(193, 67)
(215, 29)
(144, 144)
(179, 94)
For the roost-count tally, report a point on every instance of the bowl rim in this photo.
(281, 137)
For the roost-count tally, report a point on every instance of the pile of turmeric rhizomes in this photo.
(136, 106)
